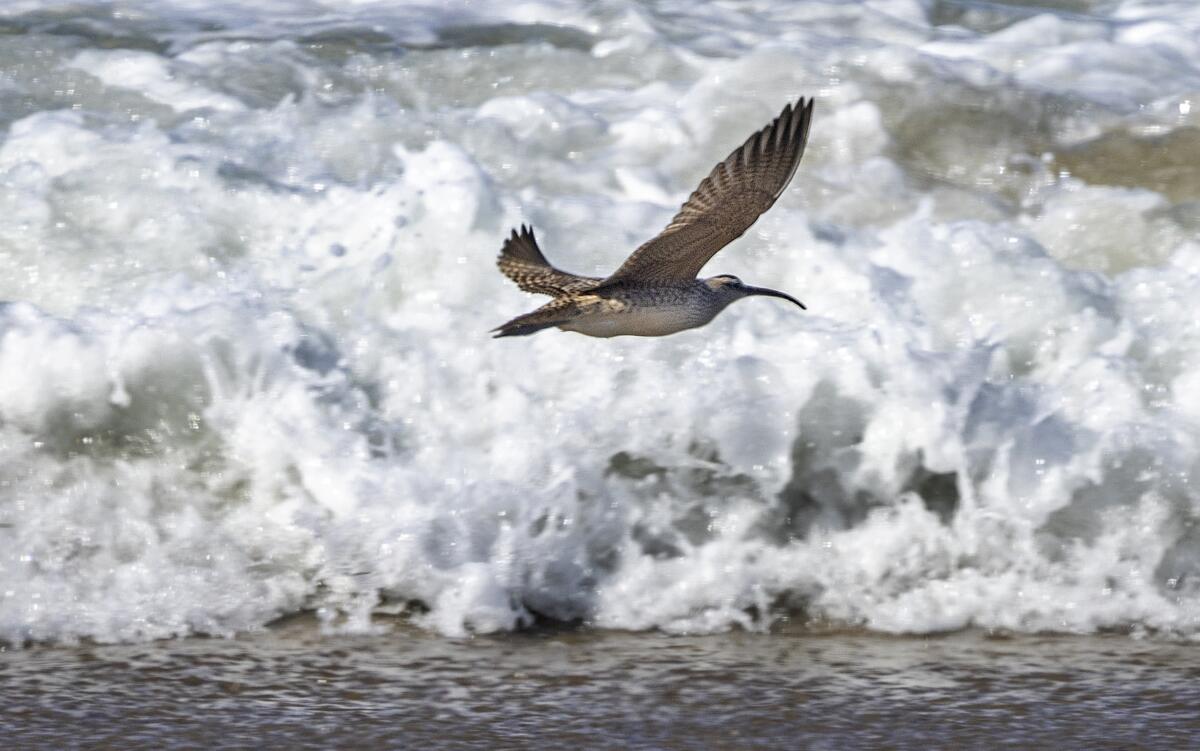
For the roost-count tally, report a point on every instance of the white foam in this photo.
(151, 76)
(245, 368)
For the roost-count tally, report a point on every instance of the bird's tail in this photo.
(516, 328)
(552, 313)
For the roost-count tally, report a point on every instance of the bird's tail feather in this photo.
(552, 313)
(513, 328)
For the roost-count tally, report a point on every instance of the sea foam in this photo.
(247, 265)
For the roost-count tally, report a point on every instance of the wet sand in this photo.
(290, 686)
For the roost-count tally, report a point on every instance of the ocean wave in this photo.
(247, 265)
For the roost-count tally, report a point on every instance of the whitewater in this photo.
(247, 274)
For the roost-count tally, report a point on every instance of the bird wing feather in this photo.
(726, 203)
(522, 261)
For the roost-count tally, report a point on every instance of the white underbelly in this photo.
(644, 322)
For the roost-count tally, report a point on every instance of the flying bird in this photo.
(656, 292)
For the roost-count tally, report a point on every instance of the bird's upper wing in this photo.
(522, 261)
(727, 202)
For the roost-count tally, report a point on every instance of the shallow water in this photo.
(292, 686)
(246, 259)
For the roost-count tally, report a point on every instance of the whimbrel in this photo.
(656, 292)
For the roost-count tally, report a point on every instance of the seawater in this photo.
(246, 265)
(291, 687)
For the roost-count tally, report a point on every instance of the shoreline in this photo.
(291, 684)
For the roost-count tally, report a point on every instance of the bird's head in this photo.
(731, 288)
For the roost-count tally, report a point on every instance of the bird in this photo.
(656, 292)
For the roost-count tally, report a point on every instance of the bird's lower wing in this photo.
(522, 261)
(726, 203)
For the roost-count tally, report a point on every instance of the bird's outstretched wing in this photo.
(522, 261)
(727, 202)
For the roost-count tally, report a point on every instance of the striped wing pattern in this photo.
(522, 261)
(726, 203)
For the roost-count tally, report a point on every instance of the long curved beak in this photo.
(773, 293)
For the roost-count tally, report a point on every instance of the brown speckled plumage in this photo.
(522, 261)
(656, 292)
